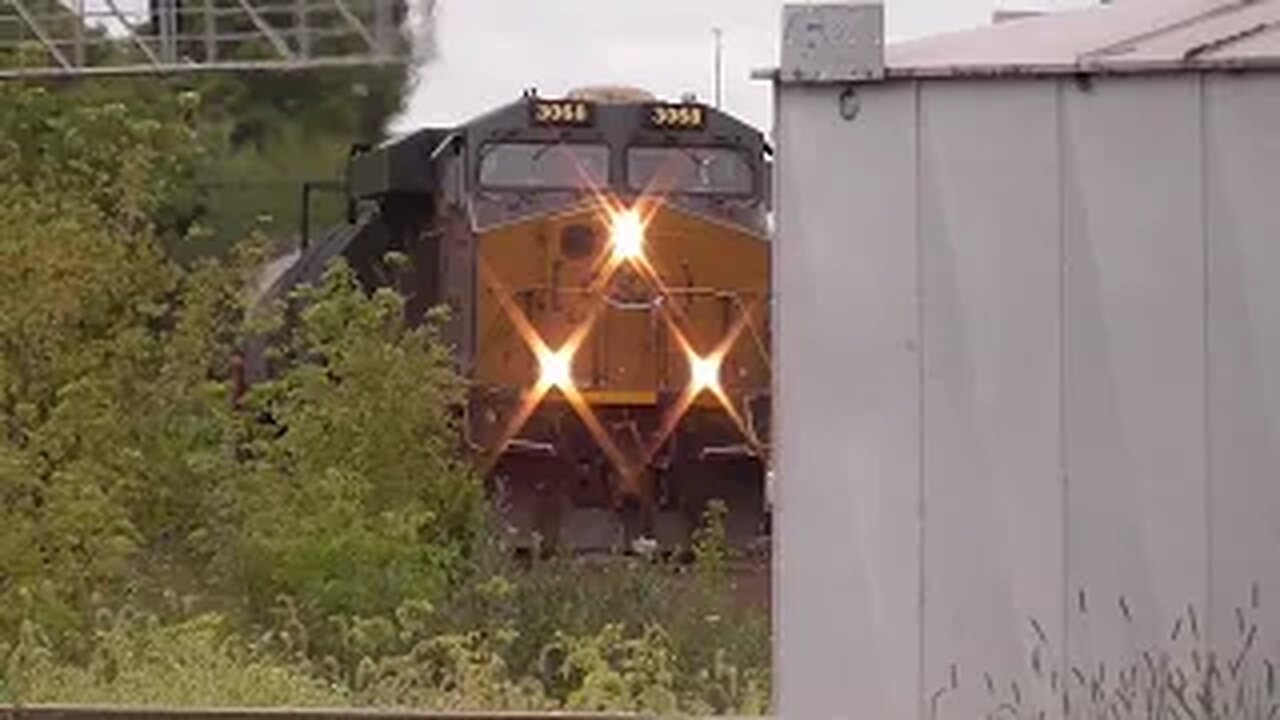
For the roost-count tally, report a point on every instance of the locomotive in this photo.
(604, 256)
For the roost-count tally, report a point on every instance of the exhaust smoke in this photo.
(419, 28)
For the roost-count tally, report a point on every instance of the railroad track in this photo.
(113, 712)
(116, 712)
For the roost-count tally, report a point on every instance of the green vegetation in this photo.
(161, 544)
(267, 133)
(262, 134)
(1183, 678)
(255, 140)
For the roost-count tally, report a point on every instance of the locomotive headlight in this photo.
(555, 368)
(704, 373)
(627, 235)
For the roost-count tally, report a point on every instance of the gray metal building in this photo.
(1028, 358)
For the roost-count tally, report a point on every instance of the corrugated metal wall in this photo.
(1028, 351)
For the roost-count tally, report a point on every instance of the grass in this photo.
(1185, 677)
(627, 637)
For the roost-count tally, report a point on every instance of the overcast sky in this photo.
(490, 50)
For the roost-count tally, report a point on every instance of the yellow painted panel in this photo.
(707, 276)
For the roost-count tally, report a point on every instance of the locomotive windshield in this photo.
(549, 166)
(700, 170)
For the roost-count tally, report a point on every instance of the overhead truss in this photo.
(121, 37)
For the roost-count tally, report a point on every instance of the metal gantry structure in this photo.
(129, 37)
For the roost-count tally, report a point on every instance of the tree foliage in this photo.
(235, 150)
(84, 290)
(361, 501)
(121, 449)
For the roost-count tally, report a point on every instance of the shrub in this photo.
(136, 660)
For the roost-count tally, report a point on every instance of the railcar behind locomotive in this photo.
(604, 256)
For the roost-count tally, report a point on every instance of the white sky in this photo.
(491, 50)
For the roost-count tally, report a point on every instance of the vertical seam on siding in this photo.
(775, 372)
(1064, 475)
(1206, 399)
(921, 702)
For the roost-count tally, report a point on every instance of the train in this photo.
(604, 256)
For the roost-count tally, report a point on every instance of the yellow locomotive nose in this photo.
(618, 308)
(631, 339)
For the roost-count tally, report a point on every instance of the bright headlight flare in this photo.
(704, 373)
(626, 234)
(555, 368)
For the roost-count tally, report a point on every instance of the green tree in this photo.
(84, 290)
(124, 468)
(354, 498)
(262, 133)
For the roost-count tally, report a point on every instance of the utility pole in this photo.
(717, 32)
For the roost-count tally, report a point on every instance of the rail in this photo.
(114, 712)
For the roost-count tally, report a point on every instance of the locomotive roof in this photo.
(404, 164)
(612, 118)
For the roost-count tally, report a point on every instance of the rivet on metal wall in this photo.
(850, 104)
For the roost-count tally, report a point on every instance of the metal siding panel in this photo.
(993, 490)
(1243, 171)
(847, 458)
(1135, 370)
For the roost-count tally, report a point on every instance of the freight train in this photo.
(604, 256)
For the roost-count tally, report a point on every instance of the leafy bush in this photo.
(453, 672)
(123, 465)
(352, 499)
(588, 632)
(138, 661)
(84, 294)
(133, 163)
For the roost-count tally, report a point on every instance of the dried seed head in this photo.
(1040, 634)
